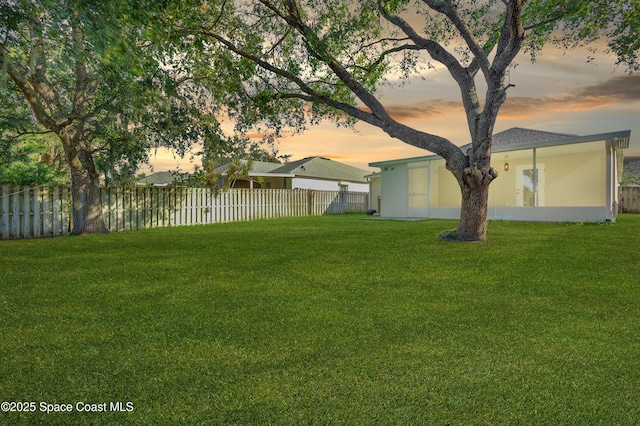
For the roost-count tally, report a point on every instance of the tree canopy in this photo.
(114, 79)
(295, 62)
(88, 73)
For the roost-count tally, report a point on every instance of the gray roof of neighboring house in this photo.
(258, 168)
(312, 167)
(323, 168)
(158, 178)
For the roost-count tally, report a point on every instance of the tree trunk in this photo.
(473, 213)
(474, 186)
(86, 204)
(86, 201)
(474, 179)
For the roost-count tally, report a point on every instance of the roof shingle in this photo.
(159, 179)
(519, 136)
(323, 168)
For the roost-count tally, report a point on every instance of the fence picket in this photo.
(4, 213)
(45, 211)
(630, 199)
(26, 212)
(15, 213)
(37, 215)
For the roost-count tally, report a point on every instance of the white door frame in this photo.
(419, 211)
(539, 196)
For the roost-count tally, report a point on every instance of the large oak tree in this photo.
(90, 76)
(305, 60)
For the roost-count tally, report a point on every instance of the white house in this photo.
(309, 173)
(542, 176)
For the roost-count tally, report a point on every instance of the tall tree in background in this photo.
(32, 161)
(237, 152)
(29, 154)
(301, 61)
(88, 77)
(45, 55)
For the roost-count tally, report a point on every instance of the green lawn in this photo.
(326, 320)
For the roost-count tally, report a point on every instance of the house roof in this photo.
(312, 167)
(324, 168)
(158, 179)
(518, 138)
(258, 168)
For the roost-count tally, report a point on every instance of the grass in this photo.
(326, 320)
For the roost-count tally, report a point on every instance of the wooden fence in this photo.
(630, 199)
(46, 211)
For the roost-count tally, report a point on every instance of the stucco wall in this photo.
(327, 185)
(502, 192)
(574, 179)
(447, 190)
(395, 191)
(568, 176)
(357, 187)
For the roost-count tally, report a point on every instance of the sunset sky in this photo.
(561, 92)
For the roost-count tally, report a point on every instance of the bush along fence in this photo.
(630, 199)
(46, 211)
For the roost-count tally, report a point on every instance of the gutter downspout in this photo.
(610, 203)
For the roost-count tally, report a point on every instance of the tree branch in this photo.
(16, 73)
(448, 10)
(386, 53)
(475, 65)
(511, 38)
(79, 97)
(317, 48)
(279, 41)
(434, 49)
(377, 115)
(382, 40)
(456, 70)
(21, 134)
(308, 93)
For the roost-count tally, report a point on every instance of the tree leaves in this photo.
(584, 23)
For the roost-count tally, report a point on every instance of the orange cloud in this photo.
(424, 110)
(614, 91)
(624, 88)
(529, 107)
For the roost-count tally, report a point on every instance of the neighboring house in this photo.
(158, 179)
(309, 173)
(542, 176)
(261, 175)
